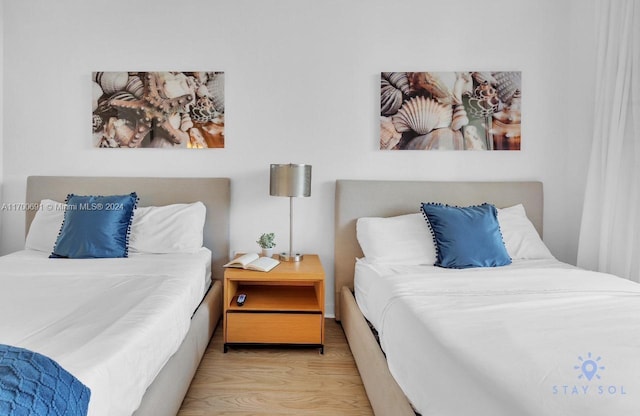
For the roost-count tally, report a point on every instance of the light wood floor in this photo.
(278, 381)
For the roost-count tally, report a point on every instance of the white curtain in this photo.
(610, 229)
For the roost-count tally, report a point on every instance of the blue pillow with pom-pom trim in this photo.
(466, 237)
(95, 227)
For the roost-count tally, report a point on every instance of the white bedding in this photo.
(112, 323)
(509, 340)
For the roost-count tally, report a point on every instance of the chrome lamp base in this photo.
(290, 257)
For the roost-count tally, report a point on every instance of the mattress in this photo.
(536, 337)
(112, 323)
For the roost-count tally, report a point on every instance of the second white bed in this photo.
(536, 337)
(112, 323)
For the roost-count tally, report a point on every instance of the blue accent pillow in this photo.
(95, 227)
(466, 236)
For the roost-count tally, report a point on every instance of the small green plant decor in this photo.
(267, 241)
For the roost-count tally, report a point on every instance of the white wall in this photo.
(302, 86)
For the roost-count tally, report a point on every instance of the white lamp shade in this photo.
(292, 180)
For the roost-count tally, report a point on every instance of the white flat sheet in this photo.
(112, 323)
(507, 341)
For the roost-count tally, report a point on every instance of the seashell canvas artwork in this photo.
(450, 110)
(158, 110)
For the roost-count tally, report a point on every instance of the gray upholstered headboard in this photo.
(362, 198)
(213, 192)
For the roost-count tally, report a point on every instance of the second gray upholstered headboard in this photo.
(364, 198)
(215, 193)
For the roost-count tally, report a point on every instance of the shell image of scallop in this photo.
(392, 87)
(111, 81)
(422, 115)
(507, 83)
(441, 139)
(215, 85)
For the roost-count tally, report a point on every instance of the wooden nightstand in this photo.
(283, 306)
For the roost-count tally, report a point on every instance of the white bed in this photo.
(505, 341)
(509, 340)
(112, 323)
(132, 329)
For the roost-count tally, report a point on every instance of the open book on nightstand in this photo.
(251, 261)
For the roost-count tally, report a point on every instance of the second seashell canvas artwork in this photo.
(158, 109)
(450, 110)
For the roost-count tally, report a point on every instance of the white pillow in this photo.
(45, 226)
(520, 236)
(405, 239)
(175, 228)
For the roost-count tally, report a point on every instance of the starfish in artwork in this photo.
(153, 110)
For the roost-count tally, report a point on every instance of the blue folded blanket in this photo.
(34, 385)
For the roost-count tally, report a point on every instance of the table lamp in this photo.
(292, 180)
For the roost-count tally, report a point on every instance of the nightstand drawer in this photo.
(274, 328)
